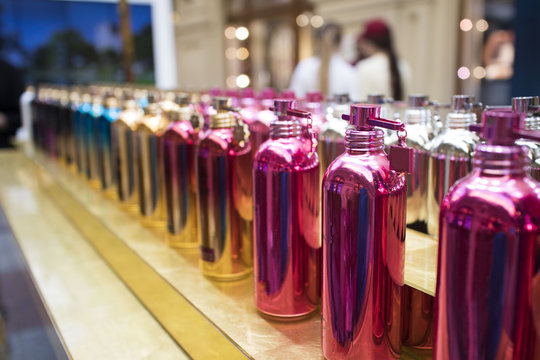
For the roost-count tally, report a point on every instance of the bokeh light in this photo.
(482, 25)
(466, 25)
(317, 21)
(241, 33)
(242, 81)
(242, 53)
(302, 20)
(230, 32)
(479, 72)
(230, 53)
(231, 81)
(463, 73)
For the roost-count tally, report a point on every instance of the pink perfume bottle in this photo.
(180, 141)
(260, 126)
(487, 303)
(225, 195)
(286, 201)
(363, 227)
(529, 107)
(249, 106)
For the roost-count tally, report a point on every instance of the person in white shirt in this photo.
(327, 72)
(380, 71)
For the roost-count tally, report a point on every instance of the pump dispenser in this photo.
(488, 290)
(148, 135)
(286, 201)
(363, 227)
(451, 154)
(529, 107)
(225, 195)
(180, 142)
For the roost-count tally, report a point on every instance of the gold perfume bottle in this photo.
(180, 142)
(123, 153)
(148, 135)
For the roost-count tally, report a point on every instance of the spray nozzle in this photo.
(502, 127)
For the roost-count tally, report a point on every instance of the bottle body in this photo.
(287, 240)
(125, 161)
(363, 228)
(224, 203)
(180, 143)
(79, 129)
(449, 161)
(90, 129)
(488, 289)
(259, 128)
(150, 172)
(104, 151)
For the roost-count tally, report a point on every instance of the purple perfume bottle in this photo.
(225, 195)
(286, 207)
(529, 107)
(450, 156)
(363, 227)
(487, 303)
(180, 141)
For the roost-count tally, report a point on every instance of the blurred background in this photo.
(488, 48)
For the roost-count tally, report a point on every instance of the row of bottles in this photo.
(316, 203)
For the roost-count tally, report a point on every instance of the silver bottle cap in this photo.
(462, 102)
(417, 100)
(525, 104)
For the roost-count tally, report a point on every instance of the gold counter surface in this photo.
(92, 261)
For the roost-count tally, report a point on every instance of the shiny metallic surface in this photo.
(79, 128)
(488, 288)
(462, 103)
(487, 304)
(149, 167)
(224, 201)
(180, 142)
(105, 156)
(332, 134)
(286, 208)
(531, 121)
(363, 228)
(123, 153)
(90, 131)
(260, 126)
(450, 159)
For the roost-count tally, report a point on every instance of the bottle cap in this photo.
(222, 103)
(288, 94)
(314, 96)
(525, 104)
(267, 93)
(462, 102)
(375, 99)
(502, 127)
(282, 106)
(417, 100)
(341, 99)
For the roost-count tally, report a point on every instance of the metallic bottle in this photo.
(90, 120)
(363, 228)
(260, 127)
(149, 167)
(109, 115)
(180, 142)
(450, 159)
(123, 153)
(79, 129)
(529, 106)
(417, 119)
(487, 304)
(224, 195)
(332, 134)
(286, 207)
(71, 108)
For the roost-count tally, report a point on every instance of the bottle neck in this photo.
(532, 123)
(501, 160)
(460, 120)
(421, 116)
(364, 140)
(222, 120)
(285, 127)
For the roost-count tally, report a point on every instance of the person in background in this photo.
(11, 88)
(380, 71)
(327, 72)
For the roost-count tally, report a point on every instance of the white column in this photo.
(164, 44)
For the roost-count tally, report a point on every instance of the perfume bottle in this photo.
(90, 120)
(249, 106)
(286, 207)
(417, 119)
(79, 130)
(106, 164)
(180, 142)
(260, 126)
(123, 152)
(70, 109)
(363, 227)
(529, 106)
(332, 135)
(148, 137)
(488, 281)
(224, 195)
(314, 103)
(450, 159)
(61, 112)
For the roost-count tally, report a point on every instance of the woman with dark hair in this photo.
(380, 71)
(326, 72)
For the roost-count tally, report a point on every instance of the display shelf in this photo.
(207, 319)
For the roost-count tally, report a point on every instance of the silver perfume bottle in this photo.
(528, 106)
(450, 156)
